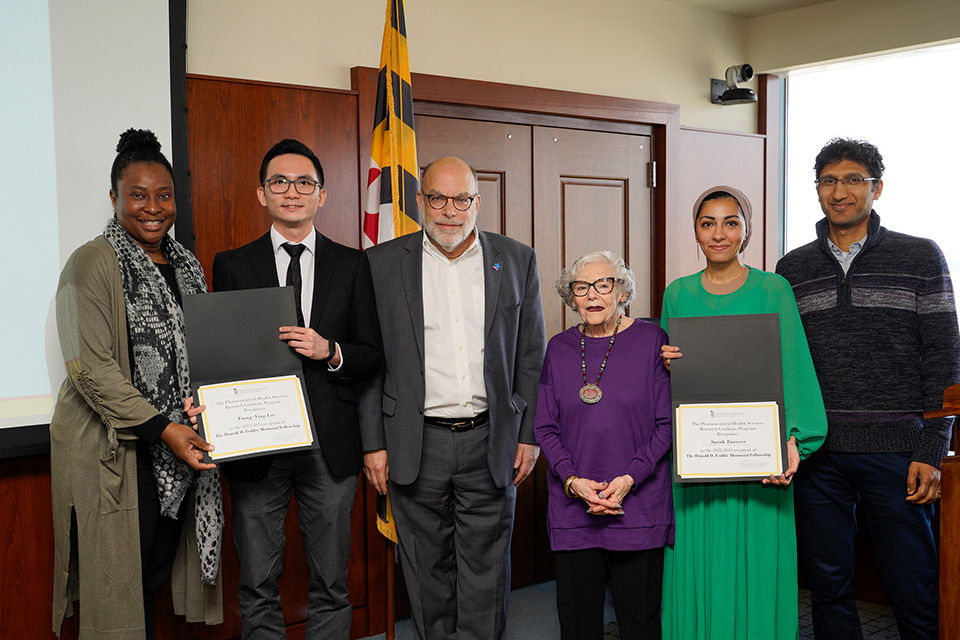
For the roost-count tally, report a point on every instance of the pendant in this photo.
(590, 393)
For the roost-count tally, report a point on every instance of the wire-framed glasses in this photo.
(851, 182)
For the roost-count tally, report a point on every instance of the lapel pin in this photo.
(496, 266)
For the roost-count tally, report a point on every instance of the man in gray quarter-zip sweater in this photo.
(879, 314)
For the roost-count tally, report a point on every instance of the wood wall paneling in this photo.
(666, 196)
(26, 550)
(950, 550)
(233, 124)
(533, 100)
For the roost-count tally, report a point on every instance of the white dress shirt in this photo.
(453, 320)
(307, 270)
(307, 262)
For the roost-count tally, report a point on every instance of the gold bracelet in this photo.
(566, 485)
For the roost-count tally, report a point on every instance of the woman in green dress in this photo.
(732, 572)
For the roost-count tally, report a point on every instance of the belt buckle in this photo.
(463, 425)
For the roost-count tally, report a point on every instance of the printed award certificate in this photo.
(257, 416)
(717, 441)
(251, 382)
(727, 394)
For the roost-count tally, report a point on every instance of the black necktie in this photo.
(294, 278)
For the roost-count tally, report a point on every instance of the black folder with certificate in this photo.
(727, 390)
(250, 381)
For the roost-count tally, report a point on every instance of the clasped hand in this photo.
(603, 498)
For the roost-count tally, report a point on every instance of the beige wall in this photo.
(846, 29)
(644, 49)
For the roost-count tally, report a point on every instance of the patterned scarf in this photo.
(161, 373)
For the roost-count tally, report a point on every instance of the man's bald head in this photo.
(449, 163)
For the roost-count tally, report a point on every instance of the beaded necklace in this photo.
(590, 392)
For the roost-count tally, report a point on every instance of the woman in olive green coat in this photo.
(122, 404)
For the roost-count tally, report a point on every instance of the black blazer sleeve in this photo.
(361, 350)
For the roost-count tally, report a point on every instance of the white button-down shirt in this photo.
(453, 319)
(307, 268)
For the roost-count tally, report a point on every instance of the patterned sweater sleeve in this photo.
(939, 351)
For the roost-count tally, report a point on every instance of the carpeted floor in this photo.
(533, 616)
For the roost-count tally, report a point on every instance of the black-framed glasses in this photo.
(460, 203)
(849, 182)
(603, 286)
(304, 186)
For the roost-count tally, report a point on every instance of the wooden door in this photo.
(502, 155)
(591, 193)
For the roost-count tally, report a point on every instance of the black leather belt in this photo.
(458, 424)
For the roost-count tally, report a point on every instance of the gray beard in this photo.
(449, 244)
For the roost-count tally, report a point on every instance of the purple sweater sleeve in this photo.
(656, 447)
(547, 423)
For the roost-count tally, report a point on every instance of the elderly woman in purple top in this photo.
(604, 424)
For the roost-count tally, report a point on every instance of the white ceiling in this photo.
(749, 8)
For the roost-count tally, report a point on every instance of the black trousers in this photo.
(159, 535)
(636, 582)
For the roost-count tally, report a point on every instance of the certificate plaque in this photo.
(716, 441)
(254, 416)
(250, 381)
(727, 393)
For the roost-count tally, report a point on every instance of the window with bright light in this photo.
(908, 105)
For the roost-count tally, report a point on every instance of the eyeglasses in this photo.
(304, 186)
(603, 286)
(460, 203)
(849, 181)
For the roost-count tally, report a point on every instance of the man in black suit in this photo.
(449, 424)
(338, 339)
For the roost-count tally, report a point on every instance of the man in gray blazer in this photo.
(449, 423)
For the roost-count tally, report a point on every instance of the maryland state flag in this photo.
(391, 208)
